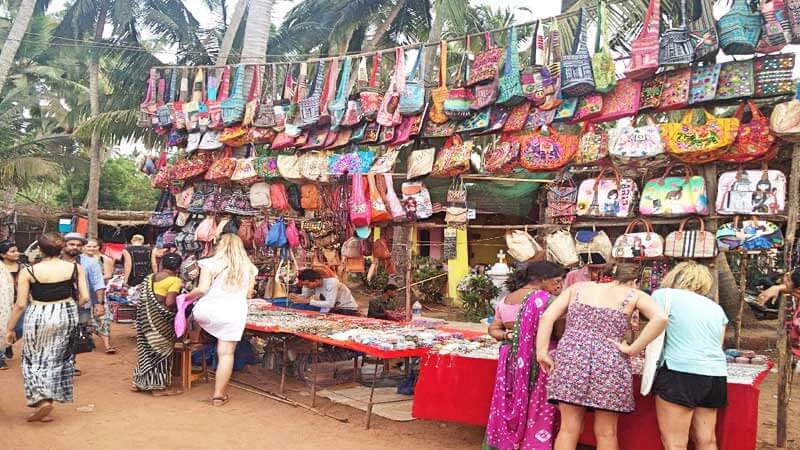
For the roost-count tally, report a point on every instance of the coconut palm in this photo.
(13, 40)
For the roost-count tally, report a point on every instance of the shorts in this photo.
(691, 390)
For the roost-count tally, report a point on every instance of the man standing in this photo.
(73, 252)
(325, 294)
(136, 261)
(379, 308)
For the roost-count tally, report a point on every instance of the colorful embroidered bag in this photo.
(552, 59)
(651, 91)
(637, 147)
(545, 149)
(739, 29)
(453, 159)
(623, 101)
(793, 17)
(538, 118)
(412, 100)
(775, 30)
(670, 196)
(536, 80)
(436, 114)
(703, 31)
(699, 144)
(308, 109)
(459, 98)
(576, 69)
(517, 117)
(233, 106)
(510, 85)
(337, 107)
(675, 93)
(645, 48)
(562, 197)
(486, 67)
(370, 96)
(501, 157)
(703, 85)
(773, 75)
(675, 47)
(607, 197)
(754, 140)
(593, 146)
(736, 80)
(589, 107)
(603, 70)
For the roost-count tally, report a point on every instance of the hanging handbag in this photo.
(501, 157)
(751, 192)
(328, 93)
(510, 85)
(623, 101)
(637, 147)
(498, 116)
(538, 118)
(148, 107)
(521, 245)
(577, 78)
(536, 81)
(386, 187)
(289, 167)
(245, 172)
(545, 149)
(793, 17)
(453, 159)
(562, 197)
(389, 114)
(592, 244)
(222, 168)
(456, 216)
(703, 31)
(370, 95)
(754, 139)
(439, 130)
(436, 114)
(164, 113)
(739, 29)
(164, 214)
(603, 68)
(385, 162)
(785, 121)
(552, 59)
(561, 248)
(338, 106)
(412, 99)
(233, 106)
(314, 166)
(253, 98)
(607, 197)
(517, 117)
(775, 31)
(703, 84)
(699, 144)
(651, 91)
(486, 67)
(690, 243)
(265, 112)
(259, 195)
(736, 80)
(459, 98)
(416, 200)
(749, 235)
(674, 195)
(566, 110)
(308, 109)
(675, 47)
(773, 75)
(593, 146)
(675, 91)
(378, 209)
(476, 123)
(645, 48)
(589, 107)
(457, 193)
(214, 103)
(640, 244)
(484, 95)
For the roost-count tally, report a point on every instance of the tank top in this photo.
(53, 291)
(140, 263)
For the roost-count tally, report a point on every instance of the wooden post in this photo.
(737, 332)
(710, 175)
(409, 273)
(784, 347)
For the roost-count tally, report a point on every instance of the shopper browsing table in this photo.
(379, 308)
(325, 294)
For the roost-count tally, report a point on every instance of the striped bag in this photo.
(691, 243)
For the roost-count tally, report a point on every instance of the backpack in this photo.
(277, 234)
(293, 195)
(309, 197)
(260, 195)
(190, 269)
(277, 194)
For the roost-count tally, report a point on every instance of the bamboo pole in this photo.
(409, 275)
(784, 348)
(737, 332)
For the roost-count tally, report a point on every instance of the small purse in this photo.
(486, 68)
(457, 192)
(577, 78)
(703, 84)
(651, 91)
(517, 117)
(736, 80)
(675, 47)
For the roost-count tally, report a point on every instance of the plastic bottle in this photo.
(416, 310)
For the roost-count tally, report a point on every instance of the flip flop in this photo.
(111, 351)
(220, 401)
(41, 413)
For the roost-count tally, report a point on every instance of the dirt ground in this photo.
(119, 418)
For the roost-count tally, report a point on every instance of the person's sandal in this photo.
(220, 401)
(111, 351)
(41, 413)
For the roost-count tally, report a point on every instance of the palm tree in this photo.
(14, 38)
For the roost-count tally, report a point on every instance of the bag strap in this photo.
(376, 65)
(683, 13)
(601, 37)
(238, 82)
(255, 84)
(213, 87)
(554, 43)
(162, 87)
(652, 19)
(329, 87)
(173, 84)
(675, 165)
(344, 81)
(399, 70)
(512, 59)
(183, 87)
(151, 82)
(224, 85)
(580, 40)
(686, 221)
(415, 68)
(534, 42)
(443, 64)
(603, 171)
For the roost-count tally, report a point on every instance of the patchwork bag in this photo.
(436, 115)
(544, 150)
(589, 107)
(308, 109)
(773, 75)
(749, 235)
(703, 31)
(651, 91)
(454, 158)
(754, 140)
(577, 78)
(233, 106)
(593, 146)
(164, 214)
(389, 114)
(739, 29)
(675, 91)
(685, 243)
(751, 192)
(607, 197)
(536, 80)
(539, 117)
(775, 31)
(265, 113)
(736, 80)
(640, 244)
(459, 98)
(623, 101)
(562, 198)
(675, 47)
(793, 17)
(412, 100)
(510, 85)
(637, 146)
(670, 196)
(645, 48)
(603, 70)
(486, 67)
(699, 144)
(369, 96)
(148, 107)
(704, 82)
(552, 59)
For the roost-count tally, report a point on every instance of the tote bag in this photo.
(652, 353)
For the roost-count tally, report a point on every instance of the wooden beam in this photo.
(712, 224)
(737, 332)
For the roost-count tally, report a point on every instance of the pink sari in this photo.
(520, 416)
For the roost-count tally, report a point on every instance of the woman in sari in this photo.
(520, 416)
(155, 332)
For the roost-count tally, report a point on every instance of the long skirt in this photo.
(47, 363)
(155, 341)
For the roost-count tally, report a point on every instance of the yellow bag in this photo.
(699, 144)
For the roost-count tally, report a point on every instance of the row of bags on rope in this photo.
(491, 94)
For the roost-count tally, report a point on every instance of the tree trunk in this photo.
(384, 26)
(434, 36)
(14, 39)
(728, 290)
(95, 148)
(230, 32)
(256, 36)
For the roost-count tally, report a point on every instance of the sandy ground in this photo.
(125, 420)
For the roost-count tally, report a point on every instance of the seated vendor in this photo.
(325, 294)
(379, 308)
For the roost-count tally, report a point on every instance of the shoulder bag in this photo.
(562, 197)
(486, 68)
(370, 96)
(640, 244)
(308, 109)
(337, 107)
(454, 158)
(749, 235)
(699, 144)
(637, 146)
(754, 140)
(459, 98)
(253, 98)
(703, 84)
(703, 31)
(389, 114)
(674, 195)
(545, 149)
(576, 69)
(739, 29)
(603, 68)
(412, 100)
(675, 47)
(561, 248)
(645, 48)
(439, 94)
(736, 80)
(536, 81)
(233, 106)
(691, 243)
(510, 85)
(521, 245)
(552, 60)
(775, 32)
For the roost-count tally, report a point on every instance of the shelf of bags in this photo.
(599, 222)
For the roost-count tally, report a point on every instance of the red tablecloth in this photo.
(458, 389)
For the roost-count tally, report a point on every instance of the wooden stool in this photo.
(183, 365)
